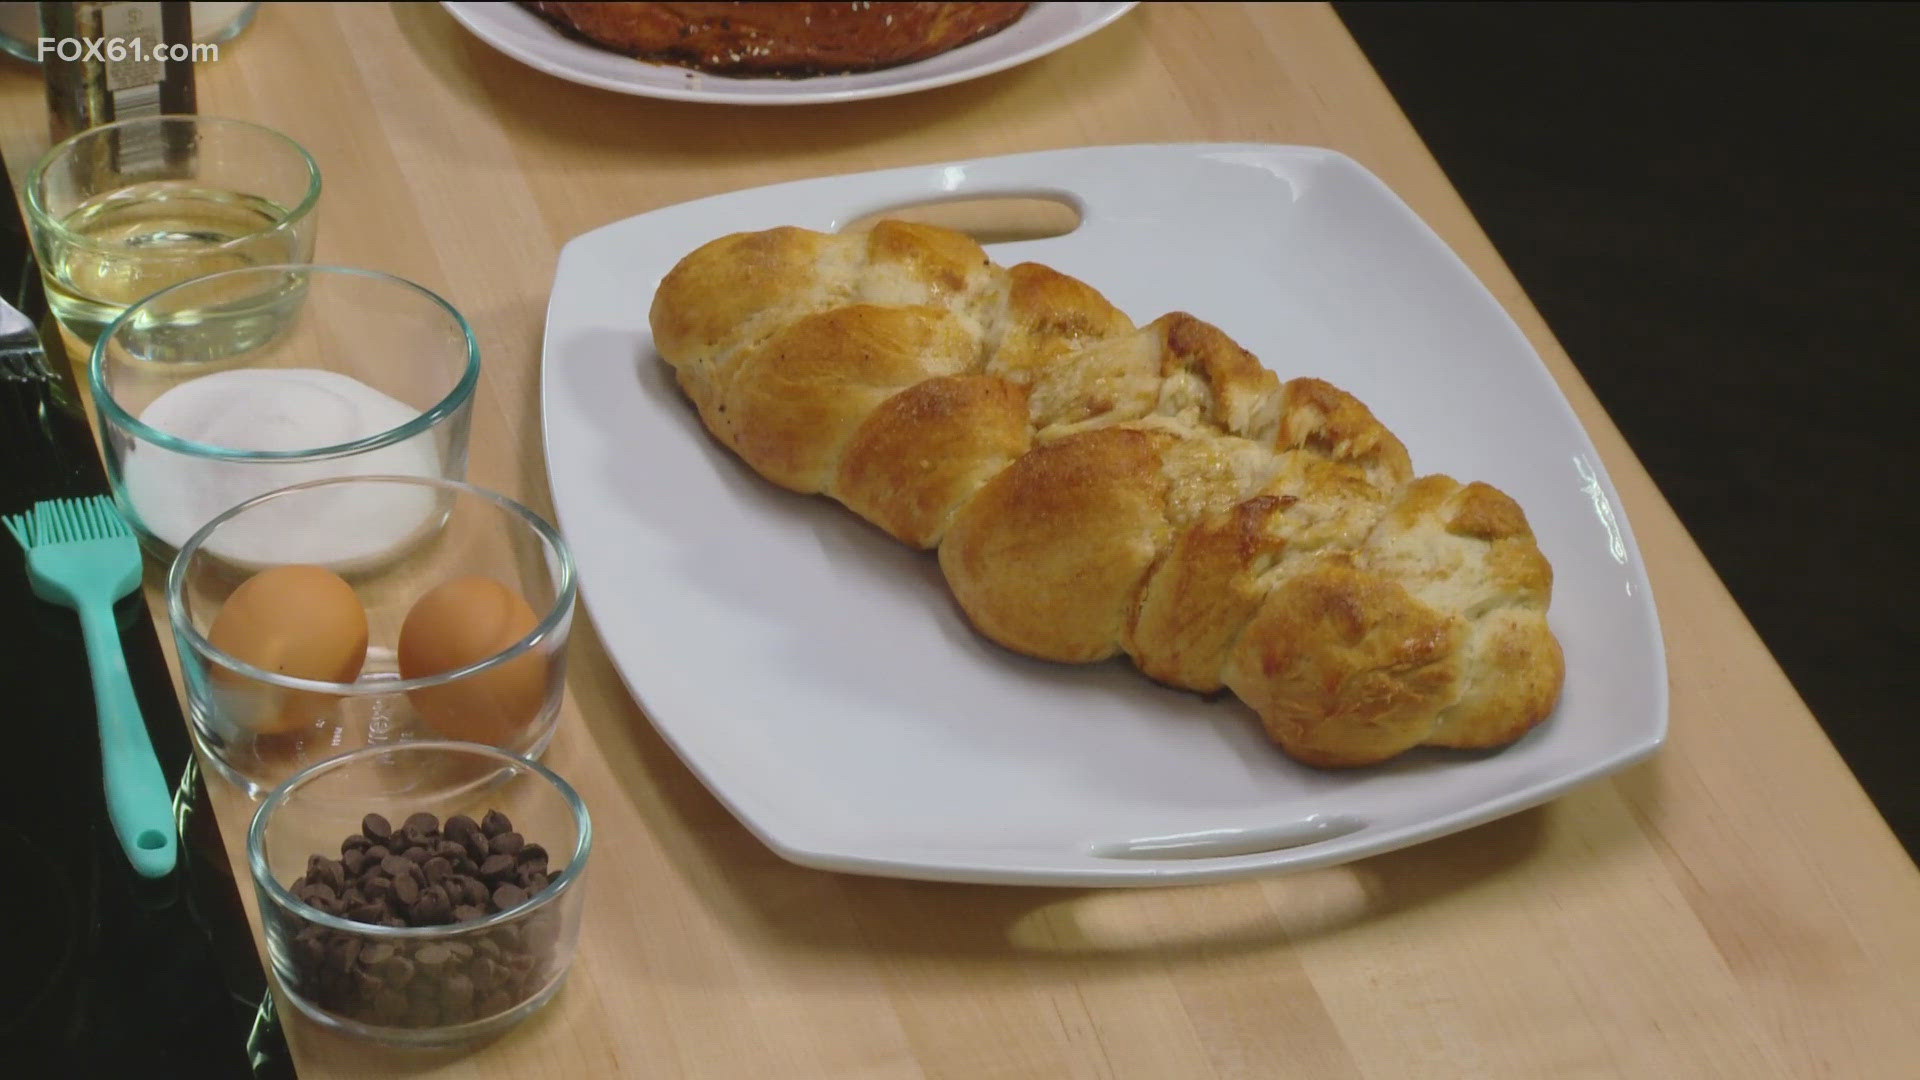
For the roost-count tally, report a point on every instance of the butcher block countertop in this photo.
(1733, 907)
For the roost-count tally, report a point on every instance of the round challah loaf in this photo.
(1094, 487)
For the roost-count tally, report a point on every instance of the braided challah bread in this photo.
(1095, 487)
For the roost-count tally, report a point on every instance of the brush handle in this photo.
(138, 799)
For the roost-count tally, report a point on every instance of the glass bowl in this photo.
(123, 210)
(489, 585)
(422, 985)
(239, 383)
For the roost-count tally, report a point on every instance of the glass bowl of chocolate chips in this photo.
(424, 893)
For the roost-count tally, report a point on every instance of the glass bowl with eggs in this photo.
(344, 613)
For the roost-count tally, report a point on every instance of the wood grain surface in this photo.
(1732, 908)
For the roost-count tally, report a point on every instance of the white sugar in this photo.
(175, 494)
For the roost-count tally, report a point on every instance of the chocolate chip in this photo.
(433, 908)
(423, 874)
(456, 887)
(458, 828)
(390, 1006)
(486, 973)
(495, 823)
(324, 871)
(371, 914)
(367, 985)
(343, 953)
(456, 991)
(396, 969)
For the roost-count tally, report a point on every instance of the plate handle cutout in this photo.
(1222, 843)
(989, 219)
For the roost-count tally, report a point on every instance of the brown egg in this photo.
(302, 621)
(462, 622)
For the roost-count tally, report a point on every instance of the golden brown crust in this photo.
(1045, 559)
(1201, 596)
(1325, 419)
(927, 449)
(1467, 549)
(794, 401)
(1346, 668)
(1096, 488)
(781, 38)
(1049, 315)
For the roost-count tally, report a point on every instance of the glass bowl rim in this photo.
(564, 598)
(37, 210)
(557, 886)
(116, 415)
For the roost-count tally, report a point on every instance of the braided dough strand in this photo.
(1093, 487)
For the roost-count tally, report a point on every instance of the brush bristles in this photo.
(64, 521)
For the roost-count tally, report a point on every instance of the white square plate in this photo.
(819, 679)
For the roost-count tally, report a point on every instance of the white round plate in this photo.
(527, 38)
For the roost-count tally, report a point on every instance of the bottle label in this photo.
(132, 32)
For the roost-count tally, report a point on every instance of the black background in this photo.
(103, 973)
(1714, 206)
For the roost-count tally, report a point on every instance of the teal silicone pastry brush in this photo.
(81, 554)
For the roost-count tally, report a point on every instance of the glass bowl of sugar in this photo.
(457, 630)
(238, 383)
